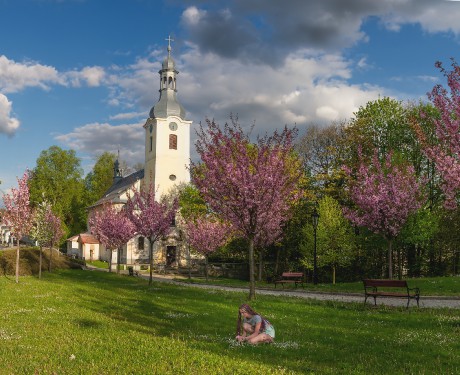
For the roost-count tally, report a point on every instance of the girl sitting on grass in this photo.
(253, 327)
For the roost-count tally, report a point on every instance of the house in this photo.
(84, 246)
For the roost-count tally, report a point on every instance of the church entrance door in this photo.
(170, 255)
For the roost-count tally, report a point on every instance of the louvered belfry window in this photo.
(173, 142)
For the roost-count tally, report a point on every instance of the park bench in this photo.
(290, 278)
(390, 288)
(132, 272)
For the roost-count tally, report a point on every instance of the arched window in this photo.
(140, 243)
(173, 142)
(170, 83)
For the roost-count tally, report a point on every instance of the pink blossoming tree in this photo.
(18, 214)
(384, 196)
(112, 227)
(445, 150)
(206, 235)
(151, 219)
(47, 231)
(250, 185)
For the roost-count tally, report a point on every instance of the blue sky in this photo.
(83, 74)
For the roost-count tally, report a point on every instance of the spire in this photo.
(168, 104)
(117, 172)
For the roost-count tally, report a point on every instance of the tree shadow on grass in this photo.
(205, 319)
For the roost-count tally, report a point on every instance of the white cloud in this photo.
(303, 89)
(192, 15)
(8, 124)
(91, 76)
(15, 76)
(128, 115)
(97, 138)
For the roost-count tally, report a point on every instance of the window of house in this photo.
(151, 143)
(173, 142)
(140, 243)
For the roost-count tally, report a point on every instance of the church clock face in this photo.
(173, 126)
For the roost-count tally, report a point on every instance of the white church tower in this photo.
(167, 135)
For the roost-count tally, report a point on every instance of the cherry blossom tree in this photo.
(18, 214)
(112, 227)
(206, 235)
(384, 196)
(47, 231)
(444, 149)
(251, 185)
(151, 219)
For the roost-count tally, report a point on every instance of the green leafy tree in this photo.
(99, 180)
(57, 178)
(322, 155)
(381, 125)
(191, 204)
(335, 238)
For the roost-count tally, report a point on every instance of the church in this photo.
(167, 155)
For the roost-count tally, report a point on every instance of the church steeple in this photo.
(168, 104)
(117, 172)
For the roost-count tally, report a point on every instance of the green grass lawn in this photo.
(429, 286)
(89, 322)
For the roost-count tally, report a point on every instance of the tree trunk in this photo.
(399, 263)
(206, 267)
(17, 263)
(252, 284)
(189, 263)
(275, 271)
(151, 242)
(118, 260)
(110, 260)
(51, 255)
(333, 274)
(390, 260)
(261, 264)
(40, 263)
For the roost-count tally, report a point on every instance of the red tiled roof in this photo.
(88, 238)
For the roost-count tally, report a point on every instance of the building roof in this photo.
(119, 187)
(88, 238)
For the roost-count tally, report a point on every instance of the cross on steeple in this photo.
(169, 43)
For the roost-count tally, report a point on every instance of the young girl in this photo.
(253, 328)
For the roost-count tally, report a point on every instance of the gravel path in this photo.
(425, 302)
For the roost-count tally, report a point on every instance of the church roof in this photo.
(167, 106)
(119, 187)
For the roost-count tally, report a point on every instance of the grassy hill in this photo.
(29, 261)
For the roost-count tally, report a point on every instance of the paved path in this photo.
(425, 302)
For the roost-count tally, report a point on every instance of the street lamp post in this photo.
(315, 218)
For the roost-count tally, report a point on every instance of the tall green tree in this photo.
(57, 178)
(99, 180)
(322, 154)
(335, 238)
